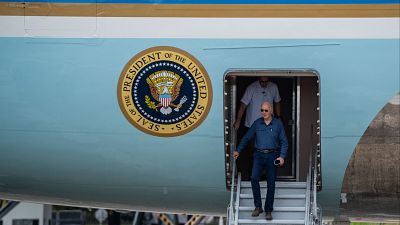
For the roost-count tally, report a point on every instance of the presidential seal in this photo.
(164, 91)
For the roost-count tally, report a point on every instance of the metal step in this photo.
(276, 196)
(278, 191)
(293, 209)
(279, 213)
(278, 184)
(274, 221)
(278, 202)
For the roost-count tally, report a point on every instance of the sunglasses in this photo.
(264, 82)
(264, 110)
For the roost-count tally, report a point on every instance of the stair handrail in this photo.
(232, 207)
(232, 201)
(314, 187)
(313, 211)
(312, 216)
(237, 201)
(308, 195)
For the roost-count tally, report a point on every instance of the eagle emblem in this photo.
(164, 91)
(164, 88)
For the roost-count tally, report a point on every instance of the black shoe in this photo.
(268, 216)
(256, 212)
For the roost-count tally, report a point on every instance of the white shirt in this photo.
(254, 96)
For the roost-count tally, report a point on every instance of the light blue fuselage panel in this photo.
(63, 135)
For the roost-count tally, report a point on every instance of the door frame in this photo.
(229, 103)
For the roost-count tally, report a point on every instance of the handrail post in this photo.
(315, 189)
(231, 206)
(309, 191)
(311, 206)
(232, 212)
(237, 199)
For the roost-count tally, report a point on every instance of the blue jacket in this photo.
(271, 136)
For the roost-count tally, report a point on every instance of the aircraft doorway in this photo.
(299, 92)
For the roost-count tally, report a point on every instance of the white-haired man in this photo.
(270, 144)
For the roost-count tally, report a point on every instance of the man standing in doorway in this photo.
(270, 144)
(256, 93)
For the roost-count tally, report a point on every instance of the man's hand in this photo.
(281, 161)
(236, 124)
(236, 154)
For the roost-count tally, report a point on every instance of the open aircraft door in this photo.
(300, 177)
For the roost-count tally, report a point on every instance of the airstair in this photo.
(295, 202)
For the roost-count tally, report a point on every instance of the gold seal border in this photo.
(172, 49)
(200, 10)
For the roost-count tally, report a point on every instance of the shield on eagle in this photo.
(165, 100)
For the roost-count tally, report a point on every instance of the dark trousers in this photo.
(263, 161)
